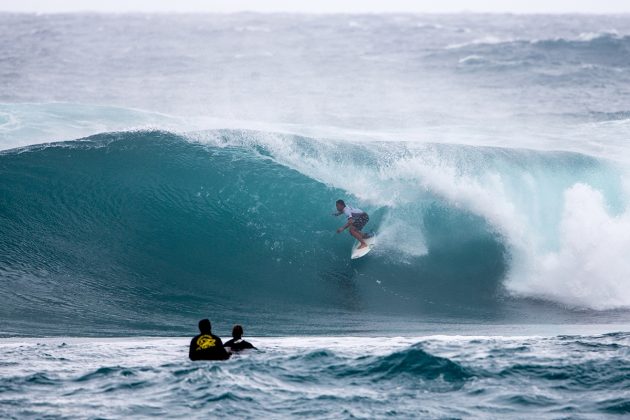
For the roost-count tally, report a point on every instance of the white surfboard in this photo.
(358, 253)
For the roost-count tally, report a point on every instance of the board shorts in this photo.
(360, 221)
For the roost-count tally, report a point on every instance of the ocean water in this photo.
(159, 169)
(573, 376)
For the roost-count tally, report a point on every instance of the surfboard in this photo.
(358, 253)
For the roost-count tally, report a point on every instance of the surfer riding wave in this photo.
(357, 219)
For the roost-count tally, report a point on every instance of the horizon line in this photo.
(326, 13)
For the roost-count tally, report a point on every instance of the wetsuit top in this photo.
(207, 347)
(350, 211)
(238, 344)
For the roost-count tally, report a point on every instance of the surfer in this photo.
(357, 219)
(237, 343)
(207, 346)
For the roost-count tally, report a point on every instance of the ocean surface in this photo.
(160, 169)
(323, 377)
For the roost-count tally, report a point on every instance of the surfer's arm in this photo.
(346, 226)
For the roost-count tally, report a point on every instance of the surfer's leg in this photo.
(358, 235)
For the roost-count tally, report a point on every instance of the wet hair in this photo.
(237, 331)
(341, 202)
(205, 326)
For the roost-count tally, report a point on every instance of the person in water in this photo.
(237, 343)
(357, 219)
(207, 346)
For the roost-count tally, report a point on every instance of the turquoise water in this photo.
(144, 232)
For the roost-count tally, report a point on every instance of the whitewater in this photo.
(159, 169)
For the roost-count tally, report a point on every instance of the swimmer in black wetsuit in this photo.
(237, 343)
(207, 346)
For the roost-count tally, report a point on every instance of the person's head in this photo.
(205, 327)
(340, 205)
(237, 331)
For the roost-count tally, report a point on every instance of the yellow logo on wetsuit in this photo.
(205, 342)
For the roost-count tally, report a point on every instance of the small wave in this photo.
(599, 116)
(472, 59)
(590, 36)
(597, 40)
(583, 38)
(37, 379)
(610, 116)
(105, 372)
(530, 401)
(414, 362)
(595, 54)
(487, 40)
(615, 406)
(593, 375)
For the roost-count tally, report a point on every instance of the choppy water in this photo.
(325, 377)
(159, 169)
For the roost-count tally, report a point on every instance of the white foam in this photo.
(405, 238)
(590, 36)
(591, 268)
(472, 59)
(486, 40)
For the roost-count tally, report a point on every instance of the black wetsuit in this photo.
(238, 344)
(207, 347)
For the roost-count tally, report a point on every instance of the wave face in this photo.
(136, 229)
